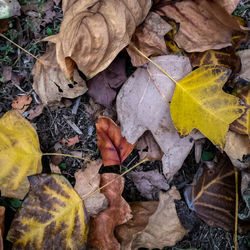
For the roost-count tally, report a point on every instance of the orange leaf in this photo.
(21, 103)
(71, 141)
(113, 146)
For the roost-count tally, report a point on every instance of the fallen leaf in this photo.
(21, 103)
(20, 154)
(2, 212)
(149, 38)
(245, 192)
(140, 107)
(4, 25)
(92, 34)
(141, 211)
(50, 83)
(148, 147)
(200, 94)
(245, 64)
(242, 124)
(204, 24)
(114, 148)
(57, 159)
(33, 113)
(54, 169)
(238, 150)
(101, 235)
(52, 208)
(149, 183)
(164, 227)
(71, 141)
(104, 86)
(212, 195)
(88, 181)
(228, 5)
(7, 72)
(9, 8)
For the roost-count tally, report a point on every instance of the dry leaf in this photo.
(149, 38)
(245, 64)
(141, 213)
(212, 195)
(7, 71)
(21, 103)
(104, 86)
(54, 169)
(204, 24)
(87, 181)
(148, 147)
(101, 235)
(114, 148)
(71, 141)
(140, 107)
(33, 113)
(245, 191)
(2, 215)
(93, 33)
(164, 227)
(237, 148)
(228, 5)
(9, 8)
(149, 183)
(50, 83)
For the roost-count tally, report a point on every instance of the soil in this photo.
(51, 127)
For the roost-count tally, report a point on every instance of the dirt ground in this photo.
(51, 127)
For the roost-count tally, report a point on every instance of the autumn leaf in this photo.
(21, 103)
(212, 196)
(71, 141)
(93, 33)
(52, 216)
(199, 102)
(114, 148)
(20, 154)
(245, 62)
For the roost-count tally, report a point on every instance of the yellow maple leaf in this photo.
(199, 102)
(20, 154)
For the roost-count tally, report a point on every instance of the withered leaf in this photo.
(71, 141)
(93, 33)
(21, 103)
(204, 24)
(87, 181)
(229, 5)
(212, 195)
(101, 235)
(245, 62)
(50, 83)
(104, 86)
(113, 146)
(149, 38)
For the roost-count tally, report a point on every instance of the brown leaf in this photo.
(71, 141)
(54, 169)
(228, 5)
(245, 62)
(104, 86)
(141, 213)
(21, 103)
(57, 159)
(149, 38)
(149, 183)
(50, 83)
(101, 235)
(212, 195)
(33, 113)
(204, 24)
(164, 227)
(87, 181)
(93, 33)
(4, 25)
(114, 148)
(2, 215)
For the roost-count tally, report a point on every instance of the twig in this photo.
(72, 125)
(76, 105)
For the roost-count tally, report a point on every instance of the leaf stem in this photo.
(68, 155)
(236, 208)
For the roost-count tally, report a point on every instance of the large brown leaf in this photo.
(92, 33)
(212, 195)
(204, 24)
(101, 235)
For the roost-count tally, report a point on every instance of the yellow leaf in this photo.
(20, 154)
(199, 102)
(51, 217)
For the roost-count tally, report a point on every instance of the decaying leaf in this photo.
(104, 86)
(114, 148)
(52, 216)
(50, 83)
(141, 213)
(101, 235)
(93, 33)
(242, 124)
(149, 183)
(140, 107)
(20, 154)
(204, 24)
(21, 103)
(149, 38)
(71, 141)
(33, 113)
(238, 149)
(228, 5)
(200, 94)
(245, 191)
(245, 64)
(87, 181)
(164, 227)
(212, 195)
(2, 215)
(9, 8)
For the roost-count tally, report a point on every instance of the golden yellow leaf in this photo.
(199, 102)
(51, 217)
(20, 154)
